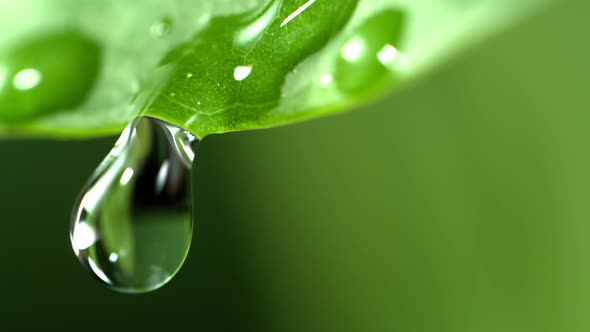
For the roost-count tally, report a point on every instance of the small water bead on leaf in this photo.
(238, 64)
(46, 75)
(371, 54)
(209, 38)
(242, 72)
(132, 225)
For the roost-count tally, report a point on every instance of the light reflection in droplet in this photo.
(98, 272)
(162, 176)
(83, 237)
(392, 58)
(27, 79)
(182, 141)
(387, 54)
(126, 177)
(124, 138)
(242, 72)
(113, 257)
(253, 30)
(297, 12)
(352, 50)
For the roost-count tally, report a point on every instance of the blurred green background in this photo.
(460, 204)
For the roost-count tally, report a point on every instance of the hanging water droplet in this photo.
(132, 225)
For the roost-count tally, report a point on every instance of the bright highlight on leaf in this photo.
(242, 72)
(86, 68)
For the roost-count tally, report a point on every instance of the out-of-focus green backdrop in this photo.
(460, 204)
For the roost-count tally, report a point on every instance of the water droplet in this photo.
(242, 72)
(161, 28)
(132, 225)
(48, 74)
(297, 12)
(371, 53)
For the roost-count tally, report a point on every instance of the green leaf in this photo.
(83, 68)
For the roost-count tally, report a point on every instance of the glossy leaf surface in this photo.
(85, 68)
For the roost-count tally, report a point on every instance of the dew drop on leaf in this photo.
(45, 75)
(132, 224)
(372, 53)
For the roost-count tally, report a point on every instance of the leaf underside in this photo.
(85, 68)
